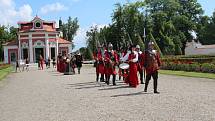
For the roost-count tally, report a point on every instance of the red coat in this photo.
(133, 79)
(100, 62)
(151, 62)
(111, 59)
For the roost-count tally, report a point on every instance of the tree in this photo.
(69, 29)
(91, 39)
(72, 27)
(140, 42)
(6, 34)
(88, 54)
(151, 38)
(207, 29)
(168, 23)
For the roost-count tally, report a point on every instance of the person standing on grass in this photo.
(151, 62)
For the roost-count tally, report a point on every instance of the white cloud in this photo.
(26, 12)
(80, 38)
(54, 7)
(6, 3)
(9, 14)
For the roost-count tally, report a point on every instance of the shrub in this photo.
(208, 68)
(3, 66)
(194, 67)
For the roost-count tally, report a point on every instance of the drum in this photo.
(124, 66)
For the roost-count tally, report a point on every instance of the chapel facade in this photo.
(36, 38)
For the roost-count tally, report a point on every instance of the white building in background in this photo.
(35, 38)
(196, 48)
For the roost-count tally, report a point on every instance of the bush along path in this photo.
(5, 69)
(204, 64)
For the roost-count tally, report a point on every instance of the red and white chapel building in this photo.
(35, 38)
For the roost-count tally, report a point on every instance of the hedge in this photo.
(189, 56)
(189, 60)
(194, 67)
(3, 66)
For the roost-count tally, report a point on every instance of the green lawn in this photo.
(188, 74)
(5, 72)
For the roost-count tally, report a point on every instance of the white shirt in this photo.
(125, 58)
(136, 58)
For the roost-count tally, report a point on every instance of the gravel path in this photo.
(49, 96)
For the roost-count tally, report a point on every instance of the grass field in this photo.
(5, 72)
(188, 74)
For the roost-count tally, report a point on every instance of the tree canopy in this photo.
(7, 34)
(69, 29)
(166, 22)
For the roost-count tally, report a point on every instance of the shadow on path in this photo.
(131, 94)
(82, 84)
(88, 87)
(116, 87)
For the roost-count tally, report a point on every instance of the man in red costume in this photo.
(133, 61)
(111, 61)
(99, 58)
(151, 63)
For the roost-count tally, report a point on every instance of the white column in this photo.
(6, 54)
(47, 46)
(70, 48)
(19, 48)
(57, 47)
(31, 49)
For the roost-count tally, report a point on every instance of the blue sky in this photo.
(89, 12)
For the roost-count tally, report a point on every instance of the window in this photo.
(38, 24)
(39, 44)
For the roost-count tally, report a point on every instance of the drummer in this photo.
(122, 59)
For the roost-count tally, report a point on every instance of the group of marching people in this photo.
(67, 63)
(146, 63)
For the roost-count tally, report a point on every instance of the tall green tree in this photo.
(207, 29)
(69, 29)
(168, 23)
(92, 41)
(7, 34)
